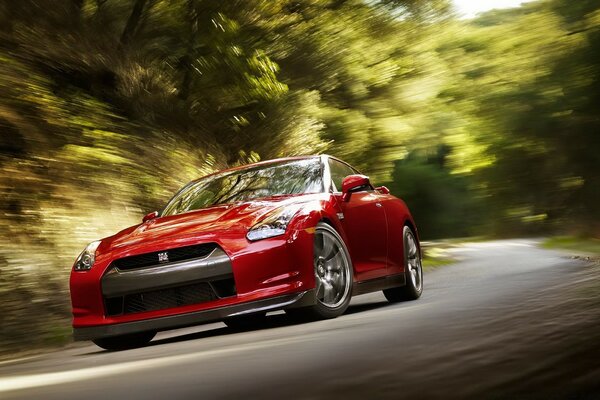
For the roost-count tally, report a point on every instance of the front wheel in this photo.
(125, 342)
(413, 271)
(333, 276)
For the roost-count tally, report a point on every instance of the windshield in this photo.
(291, 177)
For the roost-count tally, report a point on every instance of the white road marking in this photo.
(55, 378)
(18, 360)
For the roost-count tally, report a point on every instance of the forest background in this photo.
(485, 126)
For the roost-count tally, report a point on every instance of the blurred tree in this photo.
(132, 22)
(108, 106)
(441, 203)
(525, 82)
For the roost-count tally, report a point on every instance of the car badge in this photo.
(163, 257)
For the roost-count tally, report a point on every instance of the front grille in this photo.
(152, 259)
(160, 299)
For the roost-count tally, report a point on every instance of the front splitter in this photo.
(294, 300)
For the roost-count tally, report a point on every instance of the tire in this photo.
(333, 276)
(125, 342)
(413, 271)
(246, 322)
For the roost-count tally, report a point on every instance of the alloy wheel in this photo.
(413, 261)
(332, 270)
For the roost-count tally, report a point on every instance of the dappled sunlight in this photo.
(484, 126)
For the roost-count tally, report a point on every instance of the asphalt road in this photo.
(509, 320)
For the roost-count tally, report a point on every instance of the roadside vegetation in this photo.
(438, 253)
(582, 246)
(486, 126)
(431, 261)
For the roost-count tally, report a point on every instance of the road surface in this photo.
(508, 320)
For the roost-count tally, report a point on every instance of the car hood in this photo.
(214, 220)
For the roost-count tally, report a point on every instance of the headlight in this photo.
(86, 259)
(274, 224)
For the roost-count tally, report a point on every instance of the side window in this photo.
(338, 172)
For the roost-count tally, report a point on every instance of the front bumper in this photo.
(244, 277)
(301, 299)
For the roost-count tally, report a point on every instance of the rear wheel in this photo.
(125, 342)
(333, 276)
(413, 271)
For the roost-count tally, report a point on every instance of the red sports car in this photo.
(300, 234)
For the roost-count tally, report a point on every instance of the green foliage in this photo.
(525, 89)
(575, 244)
(441, 202)
(107, 107)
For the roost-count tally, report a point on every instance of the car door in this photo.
(396, 213)
(364, 223)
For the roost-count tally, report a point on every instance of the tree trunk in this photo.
(188, 59)
(133, 21)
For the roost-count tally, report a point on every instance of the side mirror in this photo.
(150, 216)
(353, 182)
(383, 190)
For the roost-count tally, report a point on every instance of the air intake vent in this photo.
(161, 299)
(168, 298)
